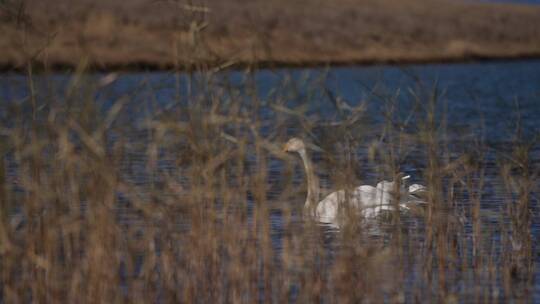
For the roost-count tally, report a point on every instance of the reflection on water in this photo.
(490, 103)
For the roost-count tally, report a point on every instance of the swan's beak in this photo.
(285, 149)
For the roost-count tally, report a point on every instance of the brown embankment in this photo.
(164, 34)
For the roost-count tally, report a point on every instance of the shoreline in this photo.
(135, 67)
(148, 35)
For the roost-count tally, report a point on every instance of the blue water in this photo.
(514, 1)
(479, 97)
(495, 102)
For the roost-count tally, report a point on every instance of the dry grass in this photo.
(187, 197)
(159, 34)
(181, 200)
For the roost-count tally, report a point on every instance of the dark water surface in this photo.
(497, 103)
(523, 2)
(514, 1)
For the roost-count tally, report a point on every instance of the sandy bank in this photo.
(167, 34)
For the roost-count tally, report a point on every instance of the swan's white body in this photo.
(369, 201)
(327, 209)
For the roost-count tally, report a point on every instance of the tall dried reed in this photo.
(188, 198)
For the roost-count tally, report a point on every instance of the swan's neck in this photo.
(312, 182)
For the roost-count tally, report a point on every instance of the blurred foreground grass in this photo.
(193, 201)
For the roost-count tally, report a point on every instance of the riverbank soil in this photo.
(165, 34)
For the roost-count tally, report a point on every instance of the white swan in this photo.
(367, 200)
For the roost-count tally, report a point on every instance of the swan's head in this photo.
(294, 145)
